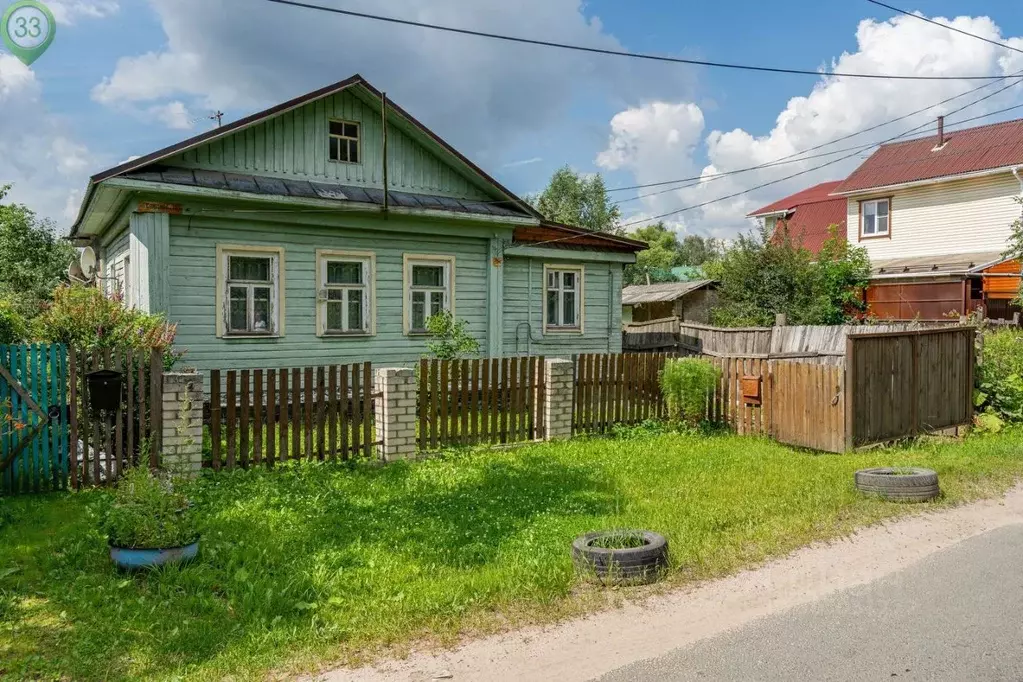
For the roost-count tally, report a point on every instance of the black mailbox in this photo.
(104, 390)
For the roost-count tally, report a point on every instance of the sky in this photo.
(127, 77)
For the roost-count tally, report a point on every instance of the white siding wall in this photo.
(961, 216)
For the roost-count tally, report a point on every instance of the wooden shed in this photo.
(686, 301)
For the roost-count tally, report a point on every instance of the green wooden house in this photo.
(327, 229)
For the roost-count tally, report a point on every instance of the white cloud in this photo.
(645, 139)
(523, 162)
(479, 94)
(67, 11)
(173, 115)
(37, 153)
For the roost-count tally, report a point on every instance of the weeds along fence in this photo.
(259, 417)
(489, 400)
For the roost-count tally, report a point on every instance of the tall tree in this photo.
(760, 276)
(34, 258)
(697, 250)
(577, 199)
(655, 263)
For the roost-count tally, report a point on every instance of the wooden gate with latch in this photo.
(34, 411)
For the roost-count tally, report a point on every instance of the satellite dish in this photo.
(87, 262)
(74, 272)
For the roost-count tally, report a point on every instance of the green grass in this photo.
(317, 563)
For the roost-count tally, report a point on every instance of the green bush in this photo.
(448, 337)
(686, 383)
(148, 513)
(13, 327)
(83, 317)
(1000, 375)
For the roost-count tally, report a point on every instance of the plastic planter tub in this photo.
(132, 559)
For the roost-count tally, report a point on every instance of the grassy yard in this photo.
(322, 563)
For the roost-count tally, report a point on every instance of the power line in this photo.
(791, 158)
(787, 177)
(948, 26)
(616, 53)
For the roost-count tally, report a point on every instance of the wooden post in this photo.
(781, 319)
(850, 380)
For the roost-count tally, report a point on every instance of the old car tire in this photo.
(902, 484)
(635, 564)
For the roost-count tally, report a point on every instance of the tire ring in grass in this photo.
(899, 484)
(632, 565)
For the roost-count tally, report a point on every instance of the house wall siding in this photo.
(523, 310)
(115, 270)
(295, 145)
(962, 216)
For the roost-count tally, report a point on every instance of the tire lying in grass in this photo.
(899, 484)
(629, 556)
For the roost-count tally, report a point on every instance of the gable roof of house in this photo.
(254, 119)
(809, 214)
(968, 151)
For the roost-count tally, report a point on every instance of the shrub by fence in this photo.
(263, 416)
(489, 400)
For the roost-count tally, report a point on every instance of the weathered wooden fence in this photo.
(104, 444)
(618, 388)
(264, 416)
(653, 335)
(808, 404)
(489, 400)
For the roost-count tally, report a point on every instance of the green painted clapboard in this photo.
(33, 428)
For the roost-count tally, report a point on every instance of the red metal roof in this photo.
(810, 214)
(965, 151)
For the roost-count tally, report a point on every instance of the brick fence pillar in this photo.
(395, 412)
(559, 376)
(182, 423)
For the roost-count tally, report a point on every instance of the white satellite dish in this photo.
(87, 261)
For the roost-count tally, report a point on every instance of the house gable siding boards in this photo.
(295, 145)
(958, 216)
(524, 289)
(192, 298)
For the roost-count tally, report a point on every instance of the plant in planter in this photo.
(150, 523)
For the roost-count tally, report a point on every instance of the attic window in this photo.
(344, 142)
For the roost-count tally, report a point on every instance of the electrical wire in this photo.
(948, 26)
(617, 53)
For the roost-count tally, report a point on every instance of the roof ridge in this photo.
(949, 133)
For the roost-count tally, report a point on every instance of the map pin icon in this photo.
(28, 28)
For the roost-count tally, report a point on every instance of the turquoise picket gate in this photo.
(33, 417)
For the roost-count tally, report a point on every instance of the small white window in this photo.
(345, 292)
(343, 141)
(563, 300)
(875, 218)
(429, 289)
(250, 291)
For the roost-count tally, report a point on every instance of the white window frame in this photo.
(863, 218)
(223, 311)
(345, 139)
(368, 291)
(435, 260)
(580, 298)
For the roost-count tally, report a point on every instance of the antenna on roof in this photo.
(217, 116)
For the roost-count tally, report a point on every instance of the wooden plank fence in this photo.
(259, 417)
(104, 445)
(620, 388)
(490, 400)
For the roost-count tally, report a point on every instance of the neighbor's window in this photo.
(344, 141)
(251, 280)
(875, 218)
(429, 282)
(345, 292)
(564, 298)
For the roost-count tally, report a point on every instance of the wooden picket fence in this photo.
(621, 388)
(489, 400)
(104, 445)
(264, 416)
(742, 399)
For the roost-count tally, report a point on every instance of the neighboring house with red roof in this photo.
(808, 215)
(935, 216)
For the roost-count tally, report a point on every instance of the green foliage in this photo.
(666, 252)
(686, 383)
(1015, 249)
(762, 275)
(999, 378)
(13, 326)
(314, 564)
(147, 512)
(81, 316)
(576, 199)
(449, 338)
(34, 258)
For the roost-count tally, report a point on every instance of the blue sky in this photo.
(125, 77)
